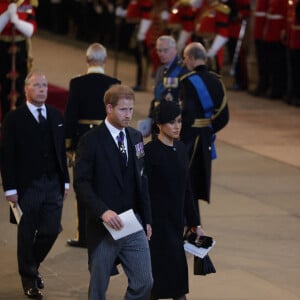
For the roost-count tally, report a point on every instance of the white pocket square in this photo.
(60, 125)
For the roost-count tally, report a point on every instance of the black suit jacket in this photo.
(98, 179)
(18, 161)
(85, 101)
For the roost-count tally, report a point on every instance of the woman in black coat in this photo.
(166, 163)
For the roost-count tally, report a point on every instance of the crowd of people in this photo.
(225, 27)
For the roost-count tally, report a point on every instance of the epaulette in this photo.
(215, 74)
(34, 3)
(223, 8)
(187, 75)
(182, 3)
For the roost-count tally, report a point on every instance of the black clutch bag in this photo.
(202, 266)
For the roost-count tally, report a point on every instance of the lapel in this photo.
(110, 151)
(55, 124)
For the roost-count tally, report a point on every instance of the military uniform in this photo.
(240, 11)
(200, 123)
(259, 19)
(211, 28)
(182, 17)
(273, 37)
(139, 12)
(13, 43)
(293, 50)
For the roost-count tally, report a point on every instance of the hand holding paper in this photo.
(130, 225)
(17, 211)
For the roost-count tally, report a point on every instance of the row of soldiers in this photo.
(137, 24)
(276, 35)
(220, 23)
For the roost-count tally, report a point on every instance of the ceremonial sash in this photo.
(207, 104)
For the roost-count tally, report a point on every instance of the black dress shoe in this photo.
(33, 293)
(40, 282)
(75, 243)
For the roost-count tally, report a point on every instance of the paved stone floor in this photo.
(255, 210)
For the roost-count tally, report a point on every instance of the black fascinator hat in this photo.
(166, 111)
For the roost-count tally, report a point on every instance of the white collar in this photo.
(113, 130)
(95, 70)
(33, 109)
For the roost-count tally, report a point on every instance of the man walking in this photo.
(35, 177)
(109, 180)
(85, 109)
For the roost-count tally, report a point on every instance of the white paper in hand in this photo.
(17, 211)
(130, 222)
(198, 251)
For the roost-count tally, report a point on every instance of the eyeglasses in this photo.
(163, 50)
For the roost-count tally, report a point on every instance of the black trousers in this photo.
(261, 59)
(39, 227)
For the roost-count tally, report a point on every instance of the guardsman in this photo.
(183, 15)
(240, 11)
(159, 18)
(274, 41)
(17, 25)
(139, 12)
(293, 49)
(259, 20)
(211, 28)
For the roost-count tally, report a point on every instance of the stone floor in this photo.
(254, 215)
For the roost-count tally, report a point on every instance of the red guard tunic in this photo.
(213, 20)
(243, 7)
(273, 36)
(275, 21)
(8, 73)
(183, 14)
(158, 27)
(293, 26)
(139, 9)
(259, 20)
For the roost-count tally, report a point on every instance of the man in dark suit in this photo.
(204, 112)
(109, 180)
(85, 109)
(35, 177)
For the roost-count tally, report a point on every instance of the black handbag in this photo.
(202, 266)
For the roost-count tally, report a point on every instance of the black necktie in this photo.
(120, 139)
(41, 118)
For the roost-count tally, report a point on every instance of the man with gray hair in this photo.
(166, 78)
(204, 112)
(85, 109)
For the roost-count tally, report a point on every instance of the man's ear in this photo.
(109, 108)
